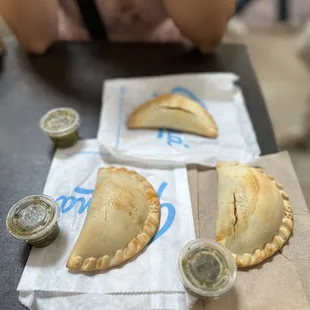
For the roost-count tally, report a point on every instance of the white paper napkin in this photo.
(151, 280)
(216, 92)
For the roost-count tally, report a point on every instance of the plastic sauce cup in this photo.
(34, 219)
(206, 269)
(61, 125)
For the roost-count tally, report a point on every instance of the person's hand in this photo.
(33, 22)
(203, 22)
(167, 31)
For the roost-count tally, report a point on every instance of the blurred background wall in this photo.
(274, 47)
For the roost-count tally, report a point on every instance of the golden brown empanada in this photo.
(254, 213)
(175, 112)
(123, 216)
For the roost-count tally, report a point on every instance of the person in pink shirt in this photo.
(38, 23)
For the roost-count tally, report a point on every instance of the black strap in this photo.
(92, 19)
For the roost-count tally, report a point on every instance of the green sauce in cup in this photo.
(61, 125)
(206, 268)
(34, 219)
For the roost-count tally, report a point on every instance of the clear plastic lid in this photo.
(33, 217)
(60, 122)
(206, 268)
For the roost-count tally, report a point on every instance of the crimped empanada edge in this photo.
(284, 232)
(151, 225)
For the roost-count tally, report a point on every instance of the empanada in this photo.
(254, 213)
(123, 216)
(175, 112)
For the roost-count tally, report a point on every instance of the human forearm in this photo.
(33, 22)
(202, 21)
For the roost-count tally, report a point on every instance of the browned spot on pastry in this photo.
(221, 235)
(252, 184)
(219, 238)
(269, 248)
(245, 206)
(288, 207)
(151, 193)
(288, 215)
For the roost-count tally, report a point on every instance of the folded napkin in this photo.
(216, 92)
(148, 282)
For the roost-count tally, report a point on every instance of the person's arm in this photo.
(203, 22)
(33, 22)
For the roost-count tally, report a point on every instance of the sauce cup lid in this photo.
(33, 217)
(206, 268)
(60, 121)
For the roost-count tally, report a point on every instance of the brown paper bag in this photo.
(283, 281)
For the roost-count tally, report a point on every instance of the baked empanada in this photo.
(254, 213)
(175, 112)
(123, 216)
